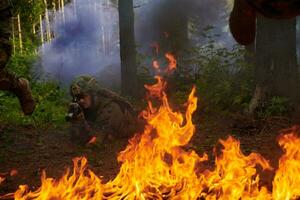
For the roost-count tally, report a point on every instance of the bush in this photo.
(276, 106)
(50, 109)
(50, 98)
(223, 77)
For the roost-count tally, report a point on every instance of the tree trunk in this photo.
(259, 92)
(127, 48)
(276, 58)
(173, 26)
(298, 40)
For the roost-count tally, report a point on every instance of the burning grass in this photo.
(155, 165)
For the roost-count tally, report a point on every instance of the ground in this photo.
(29, 150)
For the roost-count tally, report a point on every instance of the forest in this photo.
(150, 99)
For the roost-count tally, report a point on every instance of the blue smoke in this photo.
(85, 41)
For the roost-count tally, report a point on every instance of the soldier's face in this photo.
(85, 101)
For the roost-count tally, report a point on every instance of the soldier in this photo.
(98, 113)
(8, 81)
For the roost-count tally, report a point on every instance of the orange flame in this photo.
(235, 175)
(92, 140)
(156, 90)
(160, 144)
(172, 62)
(81, 184)
(2, 179)
(13, 172)
(155, 64)
(286, 184)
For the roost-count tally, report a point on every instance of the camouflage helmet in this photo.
(84, 85)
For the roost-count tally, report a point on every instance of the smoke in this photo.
(86, 34)
(155, 17)
(85, 42)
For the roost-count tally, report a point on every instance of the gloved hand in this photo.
(75, 113)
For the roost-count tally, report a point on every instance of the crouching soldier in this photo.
(97, 113)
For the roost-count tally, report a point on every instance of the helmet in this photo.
(84, 85)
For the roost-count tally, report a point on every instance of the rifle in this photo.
(75, 112)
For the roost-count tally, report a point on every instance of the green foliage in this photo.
(51, 99)
(276, 106)
(52, 103)
(222, 76)
(50, 109)
(20, 63)
(29, 11)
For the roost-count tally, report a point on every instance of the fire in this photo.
(81, 184)
(172, 62)
(155, 64)
(156, 90)
(235, 174)
(286, 184)
(155, 165)
(93, 140)
(13, 172)
(1, 179)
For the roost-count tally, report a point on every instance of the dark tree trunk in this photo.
(298, 40)
(258, 91)
(127, 48)
(276, 58)
(173, 24)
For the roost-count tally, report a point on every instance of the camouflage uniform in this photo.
(8, 81)
(109, 115)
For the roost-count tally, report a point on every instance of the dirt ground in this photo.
(29, 151)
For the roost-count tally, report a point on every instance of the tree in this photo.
(127, 48)
(275, 61)
(272, 24)
(276, 58)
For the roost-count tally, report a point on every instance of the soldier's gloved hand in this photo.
(75, 113)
